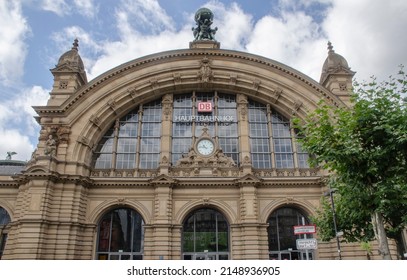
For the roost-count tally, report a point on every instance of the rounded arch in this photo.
(112, 204)
(120, 235)
(115, 92)
(217, 205)
(302, 205)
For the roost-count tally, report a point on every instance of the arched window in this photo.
(120, 235)
(281, 237)
(221, 120)
(205, 236)
(4, 220)
(133, 141)
(272, 140)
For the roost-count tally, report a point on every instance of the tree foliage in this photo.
(364, 147)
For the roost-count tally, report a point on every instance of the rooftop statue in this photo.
(204, 20)
(9, 155)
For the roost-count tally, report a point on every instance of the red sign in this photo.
(304, 229)
(204, 107)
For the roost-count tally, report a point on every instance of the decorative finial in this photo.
(75, 44)
(330, 47)
(9, 154)
(204, 20)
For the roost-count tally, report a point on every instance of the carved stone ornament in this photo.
(297, 105)
(167, 106)
(242, 105)
(275, 95)
(63, 134)
(196, 160)
(51, 146)
(205, 73)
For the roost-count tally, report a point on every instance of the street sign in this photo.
(304, 229)
(307, 244)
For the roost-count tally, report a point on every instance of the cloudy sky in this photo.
(370, 34)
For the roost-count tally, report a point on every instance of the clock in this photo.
(205, 147)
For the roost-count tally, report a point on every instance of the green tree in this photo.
(364, 148)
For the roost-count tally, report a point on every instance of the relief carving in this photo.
(205, 73)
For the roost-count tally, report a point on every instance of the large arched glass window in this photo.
(221, 122)
(120, 235)
(133, 141)
(281, 237)
(272, 140)
(205, 236)
(4, 220)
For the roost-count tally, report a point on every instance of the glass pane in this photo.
(261, 161)
(281, 130)
(103, 256)
(103, 161)
(4, 216)
(149, 161)
(126, 145)
(181, 129)
(281, 229)
(104, 234)
(128, 129)
(205, 230)
(137, 232)
(120, 230)
(227, 100)
(228, 130)
(188, 257)
(125, 161)
(183, 101)
(260, 145)
(150, 129)
(284, 161)
(105, 145)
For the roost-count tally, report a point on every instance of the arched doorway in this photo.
(281, 237)
(205, 236)
(120, 235)
(4, 220)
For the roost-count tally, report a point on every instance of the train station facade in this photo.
(183, 154)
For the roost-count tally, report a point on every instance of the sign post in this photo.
(306, 243)
(304, 229)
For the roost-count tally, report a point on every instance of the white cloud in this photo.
(13, 50)
(56, 6)
(12, 140)
(370, 35)
(17, 123)
(146, 15)
(86, 8)
(234, 25)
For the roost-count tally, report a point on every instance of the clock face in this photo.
(205, 147)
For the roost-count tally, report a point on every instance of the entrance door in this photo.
(206, 256)
(282, 240)
(205, 236)
(290, 255)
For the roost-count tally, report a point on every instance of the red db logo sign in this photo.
(204, 107)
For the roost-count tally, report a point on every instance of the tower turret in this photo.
(336, 75)
(69, 76)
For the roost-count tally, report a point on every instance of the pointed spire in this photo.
(75, 44)
(330, 47)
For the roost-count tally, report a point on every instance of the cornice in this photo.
(183, 54)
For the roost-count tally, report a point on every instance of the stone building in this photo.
(183, 154)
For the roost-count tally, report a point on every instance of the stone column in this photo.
(253, 244)
(160, 240)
